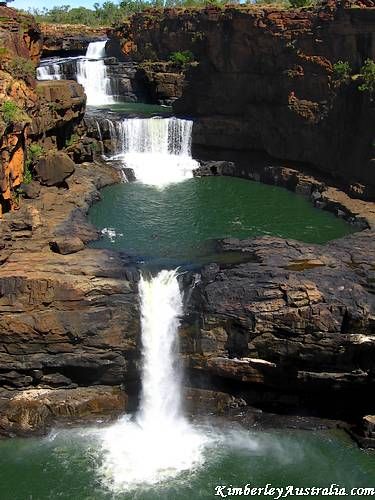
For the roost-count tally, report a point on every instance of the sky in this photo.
(38, 4)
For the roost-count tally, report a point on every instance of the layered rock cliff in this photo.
(21, 43)
(69, 39)
(266, 81)
(292, 327)
(69, 316)
(47, 112)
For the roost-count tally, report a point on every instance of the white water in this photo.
(160, 443)
(92, 74)
(49, 72)
(90, 71)
(158, 150)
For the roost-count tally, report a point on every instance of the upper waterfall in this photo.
(90, 71)
(158, 150)
(92, 74)
(49, 72)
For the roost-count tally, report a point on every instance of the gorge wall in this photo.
(69, 39)
(46, 113)
(52, 289)
(264, 80)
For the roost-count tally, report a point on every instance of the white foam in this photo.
(158, 150)
(160, 443)
(92, 74)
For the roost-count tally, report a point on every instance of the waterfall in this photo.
(158, 150)
(161, 308)
(49, 72)
(160, 443)
(90, 71)
(92, 74)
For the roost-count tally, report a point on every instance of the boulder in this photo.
(129, 174)
(31, 190)
(54, 168)
(67, 245)
(368, 423)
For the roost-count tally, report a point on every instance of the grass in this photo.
(11, 113)
(21, 68)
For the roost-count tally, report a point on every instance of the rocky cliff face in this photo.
(64, 308)
(293, 326)
(265, 79)
(47, 112)
(69, 39)
(21, 43)
(69, 316)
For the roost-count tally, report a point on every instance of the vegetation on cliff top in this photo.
(112, 12)
(182, 58)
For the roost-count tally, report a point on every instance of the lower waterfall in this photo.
(159, 443)
(158, 150)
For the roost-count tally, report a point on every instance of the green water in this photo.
(181, 222)
(67, 466)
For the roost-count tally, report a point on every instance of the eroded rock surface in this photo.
(69, 39)
(294, 326)
(36, 410)
(67, 320)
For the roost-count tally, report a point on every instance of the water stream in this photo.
(159, 443)
(90, 71)
(157, 150)
(92, 74)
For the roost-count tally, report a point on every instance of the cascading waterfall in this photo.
(90, 71)
(160, 443)
(49, 72)
(158, 150)
(92, 74)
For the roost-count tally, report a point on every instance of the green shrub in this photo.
(22, 68)
(182, 58)
(368, 77)
(27, 175)
(72, 139)
(11, 113)
(34, 152)
(342, 71)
